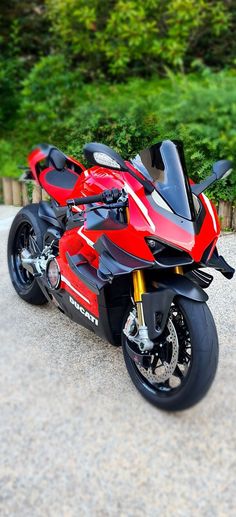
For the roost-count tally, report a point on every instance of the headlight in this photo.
(196, 204)
(167, 255)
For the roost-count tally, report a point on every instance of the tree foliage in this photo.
(23, 39)
(125, 36)
(198, 108)
(32, 28)
(124, 72)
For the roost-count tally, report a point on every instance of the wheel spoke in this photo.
(178, 373)
(33, 246)
(154, 363)
(25, 239)
(164, 386)
(186, 354)
(22, 241)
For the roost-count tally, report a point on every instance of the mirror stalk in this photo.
(221, 169)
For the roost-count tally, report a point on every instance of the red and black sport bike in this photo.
(121, 248)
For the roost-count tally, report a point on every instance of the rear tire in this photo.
(201, 371)
(29, 223)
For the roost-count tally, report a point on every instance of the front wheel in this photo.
(183, 361)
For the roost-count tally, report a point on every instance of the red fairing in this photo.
(144, 221)
(34, 158)
(147, 218)
(60, 194)
(73, 243)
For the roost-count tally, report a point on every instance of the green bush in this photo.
(8, 93)
(200, 109)
(11, 74)
(47, 92)
(11, 157)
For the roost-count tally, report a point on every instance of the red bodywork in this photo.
(144, 221)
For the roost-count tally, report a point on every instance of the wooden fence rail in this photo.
(16, 193)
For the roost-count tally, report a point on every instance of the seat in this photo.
(59, 184)
(60, 175)
(63, 179)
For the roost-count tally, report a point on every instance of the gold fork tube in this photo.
(139, 285)
(139, 289)
(178, 270)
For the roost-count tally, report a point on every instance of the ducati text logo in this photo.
(83, 311)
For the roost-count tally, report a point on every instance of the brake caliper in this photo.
(136, 333)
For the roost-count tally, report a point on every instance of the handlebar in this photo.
(108, 196)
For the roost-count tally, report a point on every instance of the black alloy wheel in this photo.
(26, 234)
(183, 360)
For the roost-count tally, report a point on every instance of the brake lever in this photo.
(106, 207)
(121, 203)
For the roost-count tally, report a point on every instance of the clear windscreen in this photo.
(164, 165)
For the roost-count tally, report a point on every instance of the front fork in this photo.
(141, 337)
(139, 289)
(139, 285)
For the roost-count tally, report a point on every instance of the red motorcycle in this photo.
(121, 249)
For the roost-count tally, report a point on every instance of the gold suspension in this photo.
(178, 270)
(139, 289)
(139, 285)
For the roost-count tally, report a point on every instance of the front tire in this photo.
(197, 361)
(27, 231)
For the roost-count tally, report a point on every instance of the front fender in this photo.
(156, 305)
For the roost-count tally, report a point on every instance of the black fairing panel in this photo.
(57, 158)
(156, 305)
(112, 305)
(70, 309)
(218, 262)
(114, 261)
(113, 302)
(85, 272)
(47, 213)
(200, 277)
(102, 219)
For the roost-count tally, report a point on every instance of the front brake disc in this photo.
(161, 371)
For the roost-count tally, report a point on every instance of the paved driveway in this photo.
(78, 440)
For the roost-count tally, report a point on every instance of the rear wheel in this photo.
(26, 232)
(183, 360)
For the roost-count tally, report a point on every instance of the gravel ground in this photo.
(78, 440)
